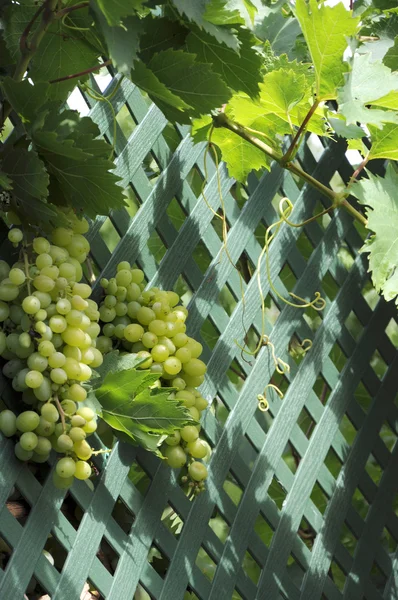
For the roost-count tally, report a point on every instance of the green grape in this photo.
(104, 283)
(39, 458)
(63, 306)
(124, 277)
(62, 483)
(77, 434)
(108, 330)
(86, 412)
(195, 347)
(43, 297)
(72, 352)
(43, 283)
(160, 353)
(176, 457)
(104, 344)
(180, 339)
(82, 450)
(196, 448)
(49, 412)
(22, 454)
(61, 236)
(58, 376)
(8, 291)
(85, 372)
(59, 255)
(78, 303)
(201, 404)
(133, 292)
(194, 413)
(46, 335)
(147, 359)
(157, 327)
(189, 433)
(27, 421)
(44, 392)
(121, 293)
(173, 298)
(137, 276)
(90, 426)
(43, 446)
(173, 439)
(133, 332)
(77, 393)
(168, 343)
(43, 260)
(110, 301)
(193, 381)
(132, 309)
(178, 383)
(21, 379)
(157, 368)
(81, 289)
(64, 443)
(87, 356)
(120, 309)
(51, 272)
(56, 360)
(145, 315)
(183, 354)
(195, 367)
(46, 348)
(41, 245)
(123, 265)
(45, 428)
(25, 340)
(66, 467)
(112, 287)
(12, 342)
(119, 332)
(74, 318)
(72, 368)
(12, 368)
(28, 441)
(172, 365)
(8, 423)
(17, 276)
(93, 330)
(80, 225)
(60, 429)
(16, 313)
(83, 470)
(34, 379)
(98, 358)
(68, 271)
(149, 339)
(28, 397)
(107, 314)
(15, 236)
(41, 315)
(146, 297)
(4, 269)
(73, 336)
(69, 407)
(197, 471)
(78, 421)
(3, 342)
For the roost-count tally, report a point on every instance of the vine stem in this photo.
(61, 412)
(65, 11)
(289, 154)
(86, 72)
(221, 120)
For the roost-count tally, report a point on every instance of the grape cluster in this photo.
(151, 324)
(48, 338)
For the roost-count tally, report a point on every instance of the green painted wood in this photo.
(248, 447)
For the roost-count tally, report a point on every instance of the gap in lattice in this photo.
(319, 498)
(346, 257)
(306, 423)
(378, 364)
(304, 246)
(337, 575)
(158, 560)
(337, 356)
(5, 553)
(109, 235)
(107, 556)
(272, 311)
(306, 533)
(323, 221)
(246, 267)
(291, 457)
(209, 333)
(388, 436)
(312, 317)
(221, 410)
(329, 286)
(183, 289)
(236, 374)
(251, 567)
(336, 182)
(171, 136)
(151, 168)
(190, 595)
(348, 539)
(287, 277)
(202, 257)
(91, 589)
(220, 526)
(388, 541)
(264, 530)
(348, 430)
(195, 180)
(156, 246)
(18, 505)
(322, 389)
(295, 570)
(227, 300)
(378, 577)
(233, 489)
(126, 121)
(277, 492)
(363, 397)
(354, 325)
(57, 552)
(206, 564)
(371, 296)
(217, 225)
(360, 503)
(123, 515)
(374, 470)
(176, 214)
(172, 520)
(333, 463)
(392, 332)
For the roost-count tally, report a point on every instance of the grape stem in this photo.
(61, 412)
(26, 263)
(104, 451)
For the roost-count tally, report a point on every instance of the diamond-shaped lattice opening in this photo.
(57, 554)
(158, 560)
(295, 571)
(264, 418)
(347, 429)
(222, 410)
(151, 168)
(321, 389)
(263, 530)
(337, 575)
(172, 520)
(292, 458)
(107, 555)
(330, 286)
(306, 423)
(374, 469)
(227, 300)
(388, 436)
(217, 225)
(126, 121)
(156, 246)
(370, 295)
(333, 463)
(306, 533)
(195, 180)
(251, 567)
(377, 577)
(202, 257)
(363, 397)
(236, 595)
(304, 246)
(109, 235)
(176, 214)
(90, 590)
(183, 289)
(233, 489)
(236, 373)
(287, 277)
(18, 506)
(189, 595)
(354, 326)
(360, 503)
(35, 590)
(5, 553)
(277, 492)
(220, 526)
(336, 182)
(319, 498)
(348, 539)
(392, 332)
(209, 333)
(206, 564)
(346, 257)
(388, 541)
(246, 267)
(338, 357)
(8, 127)
(378, 364)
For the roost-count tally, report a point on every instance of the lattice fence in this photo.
(300, 501)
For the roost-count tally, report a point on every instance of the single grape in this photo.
(72, 352)
(107, 314)
(73, 336)
(41, 315)
(201, 403)
(172, 365)
(195, 414)
(178, 383)
(133, 332)
(17, 276)
(196, 448)
(41, 327)
(176, 456)
(77, 434)
(173, 439)
(22, 454)
(44, 392)
(49, 412)
(46, 348)
(62, 483)
(15, 236)
(168, 343)
(137, 276)
(77, 393)
(52, 272)
(80, 225)
(82, 450)
(195, 367)
(195, 347)
(160, 353)
(27, 421)
(8, 291)
(45, 428)
(65, 467)
(43, 446)
(98, 358)
(133, 292)
(28, 441)
(86, 412)
(197, 471)
(41, 245)
(90, 426)
(12, 367)
(146, 358)
(8, 424)
(183, 354)
(189, 433)
(43, 260)
(64, 443)
(34, 379)
(61, 236)
(145, 315)
(58, 376)
(83, 470)
(56, 360)
(43, 283)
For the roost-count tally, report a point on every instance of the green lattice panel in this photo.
(300, 502)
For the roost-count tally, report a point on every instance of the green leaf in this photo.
(122, 42)
(346, 131)
(201, 129)
(379, 195)
(5, 182)
(384, 142)
(325, 30)
(281, 90)
(192, 81)
(26, 99)
(115, 362)
(280, 32)
(368, 83)
(391, 58)
(240, 156)
(160, 34)
(222, 12)
(241, 72)
(194, 11)
(16, 19)
(27, 172)
(115, 10)
(128, 403)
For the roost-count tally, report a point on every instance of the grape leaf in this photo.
(126, 400)
(379, 196)
(26, 99)
(192, 81)
(241, 72)
(367, 84)
(325, 30)
(115, 362)
(160, 34)
(115, 10)
(384, 142)
(240, 156)
(346, 131)
(16, 19)
(5, 182)
(391, 58)
(222, 12)
(194, 11)
(280, 32)
(27, 172)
